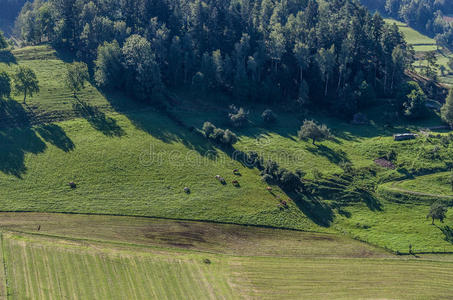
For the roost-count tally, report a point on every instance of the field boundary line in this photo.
(4, 268)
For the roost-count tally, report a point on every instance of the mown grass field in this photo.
(346, 279)
(41, 269)
(189, 235)
(66, 267)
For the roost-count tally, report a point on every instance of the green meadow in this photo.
(137, 162)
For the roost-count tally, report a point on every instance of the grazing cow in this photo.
(186, 190)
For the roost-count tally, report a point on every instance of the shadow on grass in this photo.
(333, 156)
(155, 120)
(371, 201)
(98, 119)
(7, 57)
(56, 136)
(17, 138)
(319, 212)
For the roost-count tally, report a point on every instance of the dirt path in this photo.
(416, 193)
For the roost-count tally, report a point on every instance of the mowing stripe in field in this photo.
(52, 270)
(270, 278)
(3, 282)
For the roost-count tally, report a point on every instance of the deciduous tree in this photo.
(25, 82)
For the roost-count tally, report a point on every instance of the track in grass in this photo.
(40, 269)
(271, 278)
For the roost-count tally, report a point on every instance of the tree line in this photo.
(334, 55)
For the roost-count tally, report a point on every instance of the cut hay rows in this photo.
(45, 271)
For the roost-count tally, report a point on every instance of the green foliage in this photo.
(181, 45)
(313, 131)
(437, 211)
(5, 84)
(225, 137)
(76, 76)
(143, 78)
(447, 109)
(238, 116)
(25, 82)
(109, 69)
(431, 64)
(415, 105)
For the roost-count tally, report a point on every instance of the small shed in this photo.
(404, 136)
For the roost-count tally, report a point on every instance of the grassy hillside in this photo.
(419, 41)
(423, 43)
(136, 162)
(131, 159)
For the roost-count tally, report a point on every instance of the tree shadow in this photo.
(56, 136)
(319, 212)
(17, 138)
(371, 201)
(7, 57)
(157, 121)
(333, 156)
(97, 119)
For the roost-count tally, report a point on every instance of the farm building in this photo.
(404, 136)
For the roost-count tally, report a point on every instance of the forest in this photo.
(329, 55)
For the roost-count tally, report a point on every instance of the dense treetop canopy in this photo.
(303, 52)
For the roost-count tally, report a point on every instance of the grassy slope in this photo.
(109, 156)
(133, 163)
(439, 184)
(423, 43)
(64, 266)
(395, 226)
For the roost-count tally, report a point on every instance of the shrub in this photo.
(229, 138)
(238, 116)
(268, 179)
(218, 135)
(268, 116)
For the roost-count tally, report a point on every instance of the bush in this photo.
(226, 137)
(229, 137)
(268, 179)
(238, 116)
(268, 116)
